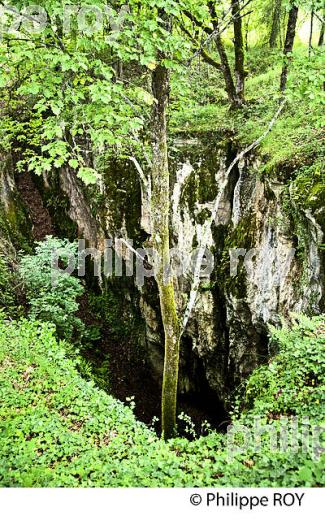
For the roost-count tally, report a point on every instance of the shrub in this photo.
(52, 294)
(293, 382)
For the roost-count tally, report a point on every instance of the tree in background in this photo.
(215, 22)
(233, 96)
(239, 51)
(322, 29)
(276, 23)
(288, 44)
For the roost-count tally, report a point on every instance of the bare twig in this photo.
(251, 147)
(320, 18)
(137, 254)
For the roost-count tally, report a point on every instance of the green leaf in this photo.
(88, 175)
(306, 474)
(74, 163)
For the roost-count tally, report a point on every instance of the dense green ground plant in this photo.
(292, 383)
(59, 430)
(51, 293)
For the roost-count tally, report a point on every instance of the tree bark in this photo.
(275, 29)
(322, 32)
(160, 209)
(310, 43)
(246, 32)
(288, 45)
(226, 71)
(321, 36)
(233, 98)
(239, 51)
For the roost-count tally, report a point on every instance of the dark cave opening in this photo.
(129, 374)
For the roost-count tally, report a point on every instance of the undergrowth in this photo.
(59, 430)
(298, 135)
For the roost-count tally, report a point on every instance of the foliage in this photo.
(52, 293)
(7, 294)
(293, 382)
(297, 137)
(73, 89)
(115, 312)
(63, 89)
(308, 188)
(76, 99)
(59, 430)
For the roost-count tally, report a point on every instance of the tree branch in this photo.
(206, 57)
(140, 171)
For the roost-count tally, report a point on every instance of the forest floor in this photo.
(60, 430)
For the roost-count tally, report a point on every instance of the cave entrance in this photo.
(120, 364)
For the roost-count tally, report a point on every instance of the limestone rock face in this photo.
(265, 265)
(7, 184)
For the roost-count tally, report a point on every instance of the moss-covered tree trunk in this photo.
(239, 51)
(275, 27)
(322, 32)
(160, 210)
(224, 63)
(226, 71)
(288, 45)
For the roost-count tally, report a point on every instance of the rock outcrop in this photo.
(266, 263)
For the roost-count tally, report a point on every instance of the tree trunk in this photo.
(225, 67)
(310, 43)
(288, 45)
(321, 35)
(226, 71)
(160, 206)
(239, 51)
(246, 32)
(275, 29)
(322, 31)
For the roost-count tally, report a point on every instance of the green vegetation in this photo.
(296, 138)
(51, 291)
(7, 294)
(60, 430)
(77, 103)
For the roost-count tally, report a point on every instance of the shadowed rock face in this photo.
(15, 224)
(279, 268)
